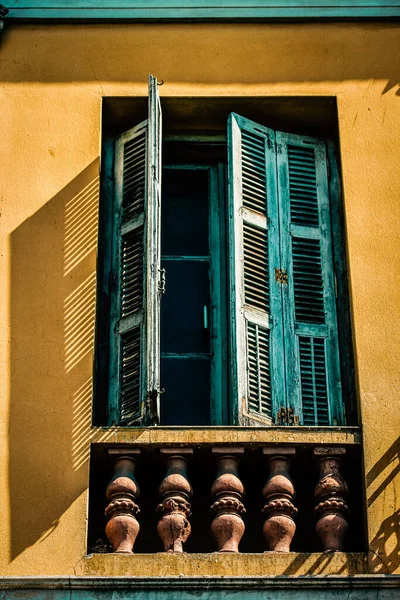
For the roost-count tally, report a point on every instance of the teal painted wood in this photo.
(256, 304)
(127, 309)
(309, 304)
(135, 294)
(225, 410)
(202, 9)
(104, 291)
(350, 406)
(216, 312)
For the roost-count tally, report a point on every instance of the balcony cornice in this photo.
(334, 582)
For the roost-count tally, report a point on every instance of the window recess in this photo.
(232, 260)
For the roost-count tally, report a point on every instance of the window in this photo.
(221, 299)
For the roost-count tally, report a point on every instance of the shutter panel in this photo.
(310, 323)
(134, 365)
(255, 300)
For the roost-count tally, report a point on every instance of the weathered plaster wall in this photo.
(52, 81)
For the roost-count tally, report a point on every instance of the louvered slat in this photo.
(253, 172)
(134, 177)
(132, 272)
(313, 381)
(303, 186)
(256, 280)
(308, 282)
(254, 231)
(130, 377)
(259, 382)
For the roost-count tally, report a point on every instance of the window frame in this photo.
(344, 333)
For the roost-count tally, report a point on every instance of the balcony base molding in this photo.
(335, 587)
(223, 564)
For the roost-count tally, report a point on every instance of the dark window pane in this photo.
(184, 212)
(186, 400)
(187, 292)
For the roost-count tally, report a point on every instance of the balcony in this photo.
(238, 493)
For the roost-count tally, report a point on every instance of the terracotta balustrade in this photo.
(279, 510)
(122, 494)
(227, 491)
(227, 508)
(331, 495)
(175, 493)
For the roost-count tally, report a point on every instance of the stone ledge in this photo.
(225, 565)
(198, 436)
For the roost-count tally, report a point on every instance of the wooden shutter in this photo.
(310, 323)
(257, 345)
(135, 356)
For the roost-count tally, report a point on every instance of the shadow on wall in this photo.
(384, 548)
(317, 564)
(52, 325)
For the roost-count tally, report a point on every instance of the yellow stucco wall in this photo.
(52, 80)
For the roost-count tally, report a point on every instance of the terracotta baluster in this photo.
(227, 490)
(122, 494)
(175, 493)
(279, 510)
(331, 493)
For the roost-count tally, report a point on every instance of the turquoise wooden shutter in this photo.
(135, 311)
(257, 344)
(310, 323)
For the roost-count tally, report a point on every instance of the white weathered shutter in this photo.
(257, 345)
(135, 312)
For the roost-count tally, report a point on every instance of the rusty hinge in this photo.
(286, 416)
(270, 144)
(281, 276)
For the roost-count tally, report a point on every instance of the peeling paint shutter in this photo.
(255, 300)
(134, 368)
(310, 323)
